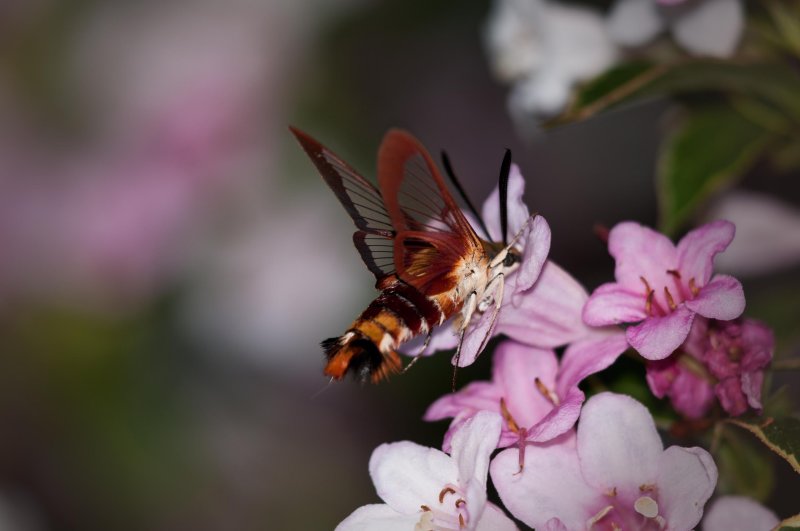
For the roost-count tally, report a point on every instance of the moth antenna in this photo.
(521, 230)
(448, 169)
(505, 169)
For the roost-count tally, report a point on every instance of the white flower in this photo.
(543, 48)
(428, 490)
(702, 27)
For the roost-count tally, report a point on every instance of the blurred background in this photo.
(170, 259)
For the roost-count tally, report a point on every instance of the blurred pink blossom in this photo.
(738, 513)
(168, 98)
(767, 233)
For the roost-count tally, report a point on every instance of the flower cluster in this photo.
(565, 462)
(543, 48)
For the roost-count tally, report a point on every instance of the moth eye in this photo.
(510, 259)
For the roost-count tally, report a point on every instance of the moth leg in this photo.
(498, 301)
(490, 287)
(419, 354)
(471, 305)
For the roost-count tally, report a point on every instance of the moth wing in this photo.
(375, 236)
(432, 234)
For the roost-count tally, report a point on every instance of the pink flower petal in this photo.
(730, 395)
(655, 338)
(536, 248)
(549, 315)
(691, 395)
(516, 368)
(477, 396)
(474, 338)
(550, 486)
(407, 475)
(640, 251)
(738, 513)
(697, 249)
(473, 444)
(618, 444)
(722, 298)
(761, 341)
(555, 524)
(378, 516)
(471, 447)
(612, 304)
(686, 479)
(589, 356)
(751, 387)
(560, 419)
(494, 519)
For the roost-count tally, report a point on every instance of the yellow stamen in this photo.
(693, 287)
(646, 284)
(648, 304)
(599, 516)
(445, 491)
(507, 416)
(547, 393)
(670, 300)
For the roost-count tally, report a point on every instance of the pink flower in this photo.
(662, 286)
(722, 358)
(426, 489)
(738, 513)
(615, 474)
(533, 243)
(538, 398)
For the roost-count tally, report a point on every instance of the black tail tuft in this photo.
(330, 346)
(359, 356)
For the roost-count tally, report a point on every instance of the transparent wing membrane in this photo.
(362, 201)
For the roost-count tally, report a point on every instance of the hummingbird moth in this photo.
(428, 261)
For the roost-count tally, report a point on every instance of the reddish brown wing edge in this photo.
(337, 175)
(423, 258)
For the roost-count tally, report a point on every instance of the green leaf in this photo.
(775, 83)
(713, 147)
(781, 435)
(787, 22)
(744, 468)
(608, 82)
(785, 157)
